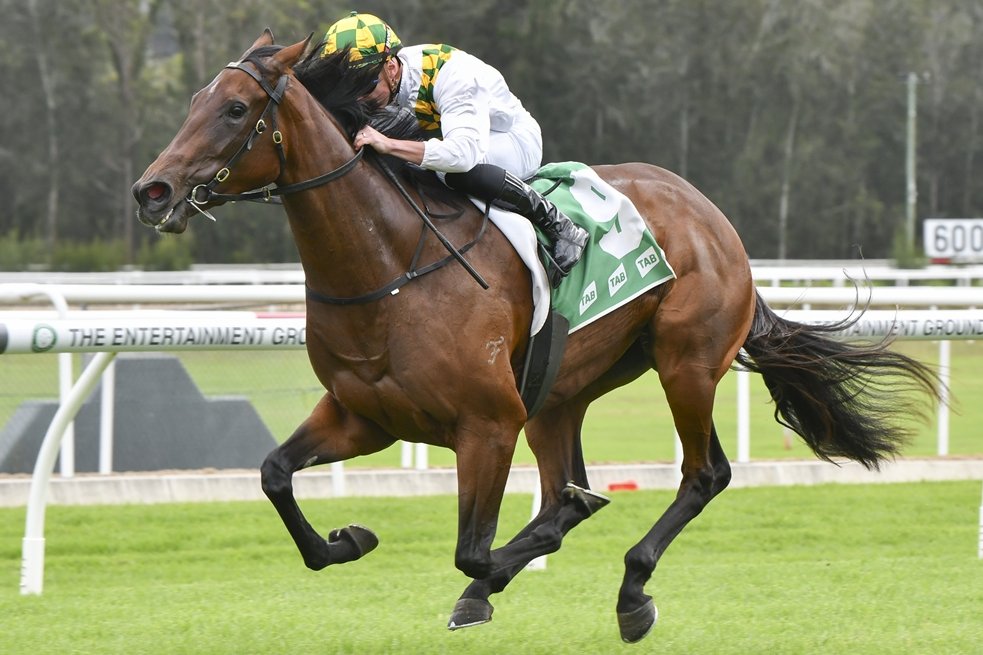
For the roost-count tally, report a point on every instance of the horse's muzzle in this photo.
(157, 207)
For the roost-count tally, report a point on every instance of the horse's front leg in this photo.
(541, 536)
(484, 455)
(330, 434)
(483, 463)
(554, 437)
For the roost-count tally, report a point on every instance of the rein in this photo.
(393, 287)
(203, 194)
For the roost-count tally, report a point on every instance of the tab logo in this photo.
(647, 261)
(617, 280)
(589, 297)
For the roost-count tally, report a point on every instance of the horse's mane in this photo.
(337, 85)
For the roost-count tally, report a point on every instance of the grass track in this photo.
(828, 569)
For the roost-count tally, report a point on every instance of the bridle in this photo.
(205, 193)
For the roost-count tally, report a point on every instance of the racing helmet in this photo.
(370, 39)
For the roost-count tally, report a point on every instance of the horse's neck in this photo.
(346, 222)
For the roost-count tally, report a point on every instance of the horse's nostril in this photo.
(156, 191)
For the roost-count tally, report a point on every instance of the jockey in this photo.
(481, 139)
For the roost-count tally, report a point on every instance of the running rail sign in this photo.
(130, 332)
(135, 331)
(925, 324)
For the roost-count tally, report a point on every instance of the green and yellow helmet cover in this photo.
(371, 40)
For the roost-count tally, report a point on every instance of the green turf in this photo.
(631, 424)
(829, 569)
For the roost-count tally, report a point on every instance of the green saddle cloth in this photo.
(622, 259)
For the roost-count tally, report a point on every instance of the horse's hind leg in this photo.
(330, 434)
(690, 390)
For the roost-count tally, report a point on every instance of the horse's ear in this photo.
(291, 54)
(266, 38)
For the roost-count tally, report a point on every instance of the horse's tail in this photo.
(842, 398)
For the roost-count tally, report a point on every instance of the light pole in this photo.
(911, 194)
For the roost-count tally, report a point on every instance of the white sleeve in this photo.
(463, 105)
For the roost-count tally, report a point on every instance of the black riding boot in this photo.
(506, 191)
(568, 239)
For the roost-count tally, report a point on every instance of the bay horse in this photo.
(435, 358)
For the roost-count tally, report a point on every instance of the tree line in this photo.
(790, 116)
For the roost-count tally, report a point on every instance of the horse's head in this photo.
(215, 146)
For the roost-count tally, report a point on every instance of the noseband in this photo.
(204, 193)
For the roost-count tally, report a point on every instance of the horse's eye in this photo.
(238, 110)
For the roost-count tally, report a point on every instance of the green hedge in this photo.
(162, 254)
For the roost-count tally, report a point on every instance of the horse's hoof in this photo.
(468, 612)
(634, 625)
(360, 538)
(589, 501)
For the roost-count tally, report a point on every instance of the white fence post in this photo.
(414, 451)
(945, 359)
(421, 456)
(743, 416)
(678, 456)
(67, 456)
(338, 479)
(107, 422)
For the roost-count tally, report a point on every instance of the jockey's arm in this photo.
(411, 151)
(458, 152)
(464, 110)
(464, 125)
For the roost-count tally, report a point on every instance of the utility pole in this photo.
(911, 195)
